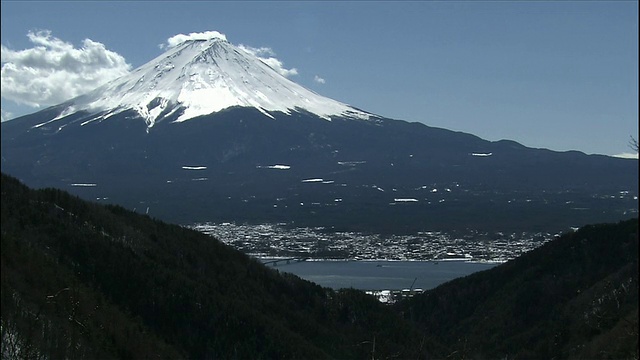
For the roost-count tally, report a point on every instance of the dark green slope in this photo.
(575, 297)
(85, 281)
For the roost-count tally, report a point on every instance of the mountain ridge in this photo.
(234, 149)
(129, 143)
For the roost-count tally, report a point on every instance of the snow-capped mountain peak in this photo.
(202, 76)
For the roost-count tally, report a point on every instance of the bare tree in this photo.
(633, 144)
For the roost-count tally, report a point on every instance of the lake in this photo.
(382, 275)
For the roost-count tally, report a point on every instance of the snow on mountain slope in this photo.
(199, 77)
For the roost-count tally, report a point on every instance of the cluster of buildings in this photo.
(279, 240)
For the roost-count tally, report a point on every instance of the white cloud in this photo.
(5, 115)
(318, 79)
(273, 62)
(180, 38)
(260, 52)
(627, 156)
(54, 71)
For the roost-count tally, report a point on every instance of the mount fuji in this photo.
(209, 132)
(200, 77)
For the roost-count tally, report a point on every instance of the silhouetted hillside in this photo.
(80, 280)
(84, 281)
(575, 297)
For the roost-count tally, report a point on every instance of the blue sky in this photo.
(557, 75)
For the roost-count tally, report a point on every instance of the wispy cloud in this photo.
(318, 79)
(267, 56)
(5, 115)
(53, 71)
(180, 38)
(261, 52)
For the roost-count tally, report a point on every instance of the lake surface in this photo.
(382, 275)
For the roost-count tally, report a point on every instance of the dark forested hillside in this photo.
(80, 280)
(575, 297)
(85, 281)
